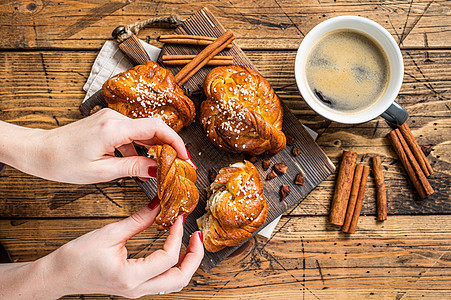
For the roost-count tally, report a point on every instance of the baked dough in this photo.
(176, 185)
(242, 113)
(235, 209)
(149, 90)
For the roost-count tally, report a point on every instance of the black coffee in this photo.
(347, 71)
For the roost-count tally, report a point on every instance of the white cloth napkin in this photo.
(111, 61)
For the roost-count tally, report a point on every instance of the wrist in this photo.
(20, 146)
(29, 280)
(47, 280)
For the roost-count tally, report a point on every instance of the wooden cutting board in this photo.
(312, 160)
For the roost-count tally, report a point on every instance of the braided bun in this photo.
(149, 90)
(176, 187)
(242, 113)
(235, 209)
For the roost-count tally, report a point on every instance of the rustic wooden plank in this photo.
(27, 77)
(291, 292)
(305, 256)
(42, 199)
(46, 93)
(267, 25)
(44, 89)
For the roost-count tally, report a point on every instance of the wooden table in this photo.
(46, 52)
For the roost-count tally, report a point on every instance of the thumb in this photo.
(127, 228)
(136, 166)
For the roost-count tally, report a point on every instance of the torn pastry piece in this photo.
(242, 113)
(176, 185)
(149, 90)
(235, 209)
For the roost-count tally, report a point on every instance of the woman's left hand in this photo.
(83, 151)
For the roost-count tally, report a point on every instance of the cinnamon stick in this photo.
(185, 39)
(213, 62)
(359, 203)
(420, 175)
(185, 36)
(381, 194)
(343, 188)
(394, 139)
(189, 57)
(416, 150)
(353, 198)
(203, 57)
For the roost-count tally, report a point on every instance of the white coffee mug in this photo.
(386, 105)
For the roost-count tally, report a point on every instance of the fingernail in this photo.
(201, 236)
(152, 171)
(187, 153)
(155, 201)
(192, 163)
(183, 217)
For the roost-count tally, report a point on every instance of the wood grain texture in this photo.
(288, 291)
(306, 257)
(406, 257)
(267, 24)
(39, 85)
(44, 89)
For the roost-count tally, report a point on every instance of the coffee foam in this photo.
(347, 71)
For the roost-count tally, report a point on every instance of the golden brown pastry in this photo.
(235, 209)
(242, 113)
(149, 90)
(176, 188)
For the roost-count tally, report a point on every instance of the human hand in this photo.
(97, 261)
(83, 151)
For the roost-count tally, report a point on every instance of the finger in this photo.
(149, 143)
(161, 260)
(148, 128)
(127, 150)
(193, 255)
(181, 257)
(190, 248)
(176, 278)
(155, 141)
(125, 229)
(138, 166)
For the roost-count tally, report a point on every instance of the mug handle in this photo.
(395, 114)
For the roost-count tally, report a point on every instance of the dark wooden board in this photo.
(313, 162)
(202, 23)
